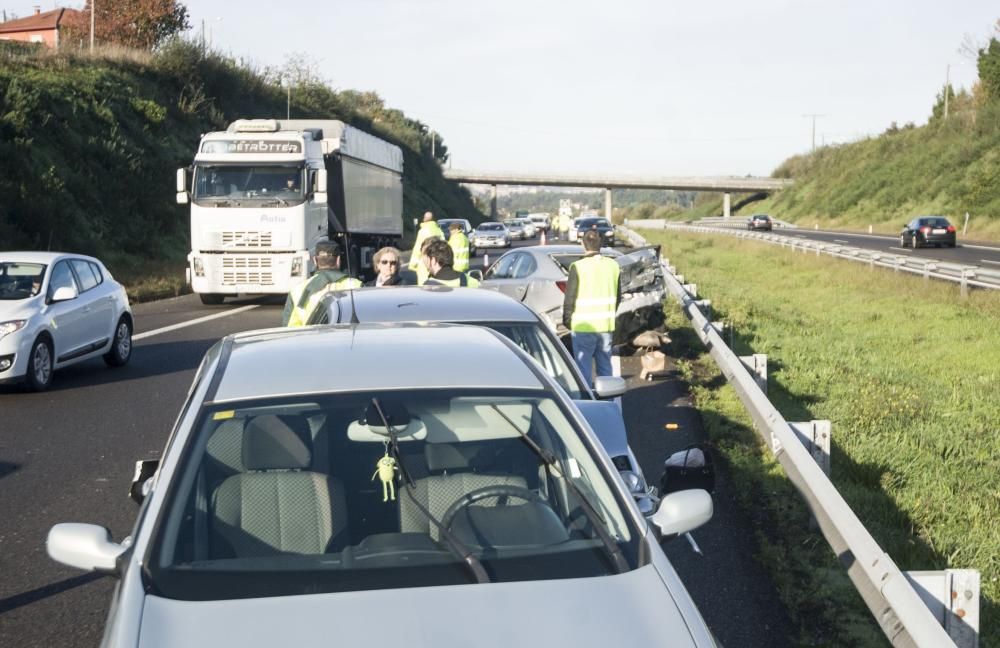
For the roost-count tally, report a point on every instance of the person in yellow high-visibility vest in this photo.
(429, 229)
(439, 258)
(303, 298)
(592, 296)
(459, 244)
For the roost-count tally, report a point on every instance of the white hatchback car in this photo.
(56, 310)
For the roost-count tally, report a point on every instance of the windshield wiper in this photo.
(456, 546)
(221, 202)
(274, 201)
(595, 518)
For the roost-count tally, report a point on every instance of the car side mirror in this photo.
(609, 386)
(682, 511)
(182, 195)
(142, 482)
(476, 274)
(64, 293)
(83, 546)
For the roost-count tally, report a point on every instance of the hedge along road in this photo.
(68, 454)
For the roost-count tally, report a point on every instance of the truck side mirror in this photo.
(320, 188)
(182, 196)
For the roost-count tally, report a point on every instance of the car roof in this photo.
(546, 250)
(42, 257)
(360, 357)
(432, 304)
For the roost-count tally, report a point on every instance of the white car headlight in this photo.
(6, 328)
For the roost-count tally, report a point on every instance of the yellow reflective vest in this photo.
(428, 230)
(464, 281)
(596, 296)
(459, 244)
(303, 298)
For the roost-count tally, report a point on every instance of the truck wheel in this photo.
(212, 299)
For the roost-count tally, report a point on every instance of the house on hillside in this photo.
(42, 27)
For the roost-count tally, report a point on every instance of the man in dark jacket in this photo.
(439, 258)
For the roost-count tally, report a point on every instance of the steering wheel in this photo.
(486, 492)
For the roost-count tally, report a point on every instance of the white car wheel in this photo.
(39, 376)
(121, 346)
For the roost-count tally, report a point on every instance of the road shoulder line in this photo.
(199, 320)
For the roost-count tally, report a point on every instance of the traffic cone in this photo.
(486, 259)
(543, 238)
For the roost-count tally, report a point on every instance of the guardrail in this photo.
(962, 274)
(904, 616)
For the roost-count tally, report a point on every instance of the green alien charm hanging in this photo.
(385, 469)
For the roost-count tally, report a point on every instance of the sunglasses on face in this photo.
(394, 262)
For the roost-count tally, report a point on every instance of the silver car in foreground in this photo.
(350, 485)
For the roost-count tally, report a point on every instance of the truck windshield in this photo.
(231, 186)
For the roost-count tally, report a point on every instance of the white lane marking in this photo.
(840, 241)
(207, 318)
(901, 249)
(988, 261)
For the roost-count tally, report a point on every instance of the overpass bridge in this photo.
(724, 184)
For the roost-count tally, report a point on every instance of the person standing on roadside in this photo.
(592, 296)
(440, 260)
(387, 263)
(429, 229)
(459, 244)
(302, 299)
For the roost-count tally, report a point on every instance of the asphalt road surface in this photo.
(978, 254)
(68, 454)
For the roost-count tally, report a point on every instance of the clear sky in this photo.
(630, 86)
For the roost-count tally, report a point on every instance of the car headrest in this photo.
(448, 456)
(276, 443)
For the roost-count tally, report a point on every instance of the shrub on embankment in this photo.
(909, 374)
(89, 145)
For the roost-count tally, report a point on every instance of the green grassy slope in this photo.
(89, 145)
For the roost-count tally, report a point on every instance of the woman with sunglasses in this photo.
(387, 268)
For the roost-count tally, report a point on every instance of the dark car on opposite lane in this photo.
(760, 222)
(927, 230)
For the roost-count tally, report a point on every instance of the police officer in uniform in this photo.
(459, 244)
(303, 298)
(592, 297)
(439, 259)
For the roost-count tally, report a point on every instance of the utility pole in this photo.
(433, 142)
(92, 26)
(947, 73)
(814, 116)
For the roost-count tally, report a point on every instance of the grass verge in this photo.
(909, 374)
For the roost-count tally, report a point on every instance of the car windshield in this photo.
(491, 227)
(587, 223)
(763, 218)
(231, 186)
(513, 223)
(307, 495)
(20, 280)
(935, 222)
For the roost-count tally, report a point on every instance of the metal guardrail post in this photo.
(815, 435)
(692, 289)
(756, 364)
(953, 596)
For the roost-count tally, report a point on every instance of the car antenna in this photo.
(347, 254)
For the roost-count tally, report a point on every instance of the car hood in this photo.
(634, 607)
(18, 309)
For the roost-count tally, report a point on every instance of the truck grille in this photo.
(246, 239)
(246, 270)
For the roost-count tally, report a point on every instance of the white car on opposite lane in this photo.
(56, 310)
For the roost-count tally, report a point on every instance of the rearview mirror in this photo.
(83, 546)
(182, 196)
(609, 386)
(64, 293)
(682, 511)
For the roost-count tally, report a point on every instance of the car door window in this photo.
(503, 267)
(97, 272)
(62, 277)
(523, 267)
(84, 274)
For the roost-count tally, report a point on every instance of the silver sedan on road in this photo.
(366, 484)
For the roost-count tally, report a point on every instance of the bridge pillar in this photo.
(607, 204)
(725, 205)
(493, 204)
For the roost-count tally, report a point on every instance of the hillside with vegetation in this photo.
(949, 166)
(89, 146)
